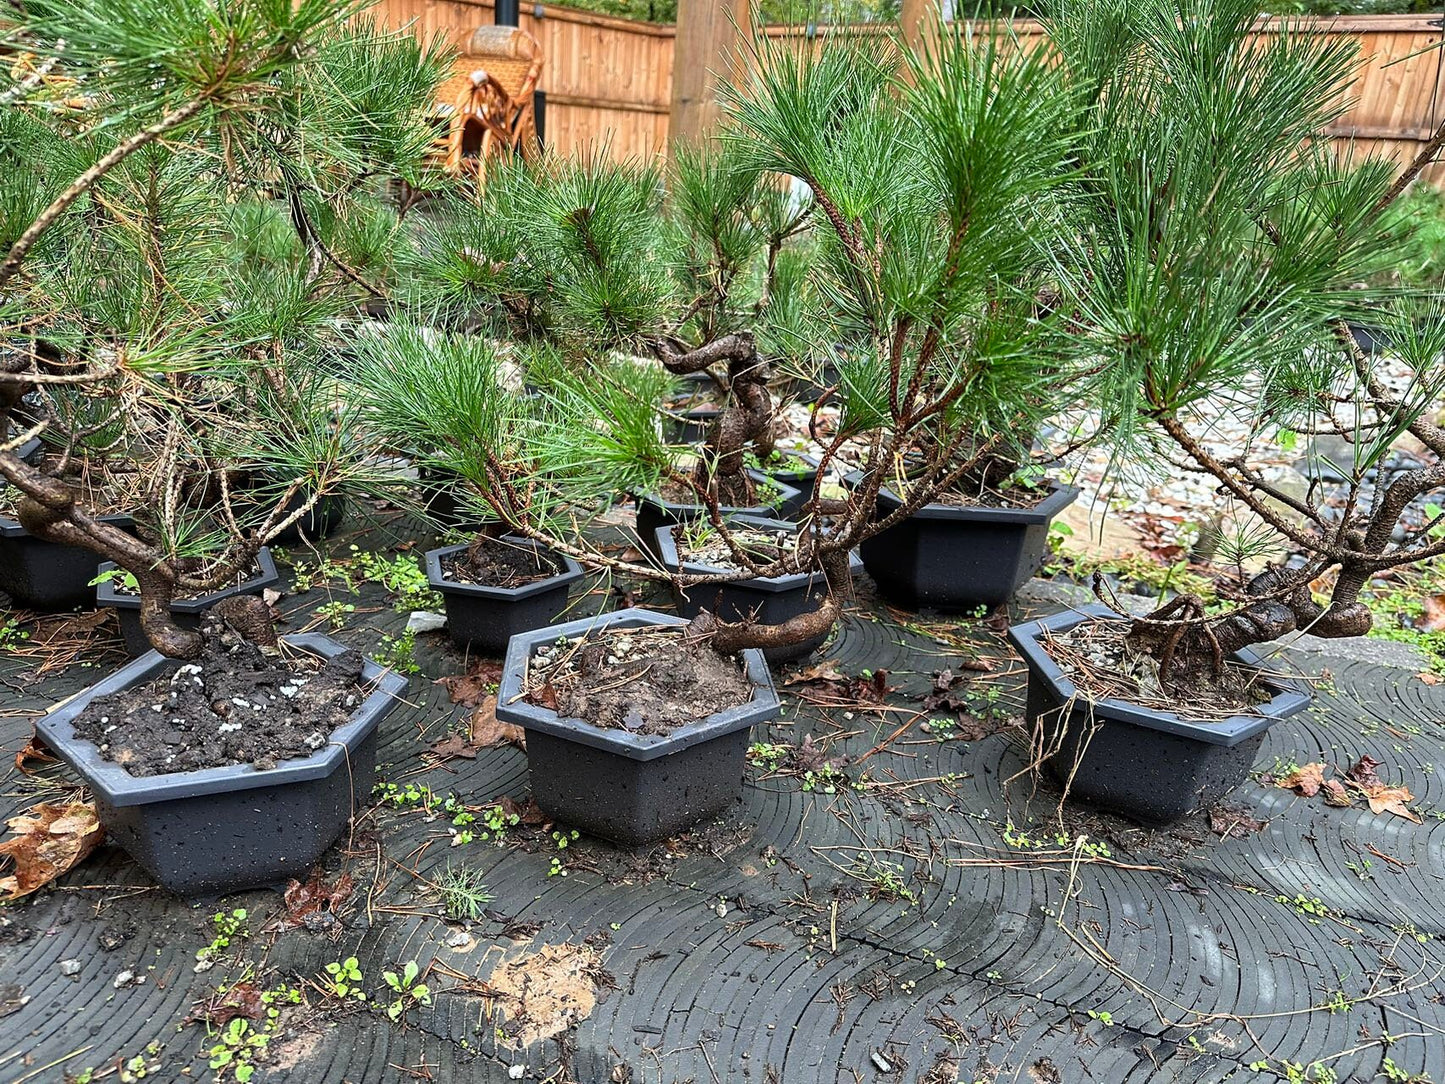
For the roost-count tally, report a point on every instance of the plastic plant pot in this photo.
(797, 471)
(1150, 766)
(320, 521)
(41, 575)
(958, 559)
(634, 789)
(692, 425)
(441, 495)
(185, 611)
(770, 600)
(654, 512)
(484, 618)
(230, 828)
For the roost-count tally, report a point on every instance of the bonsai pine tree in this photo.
(1223, 243)
(919, 266)
(184, 212)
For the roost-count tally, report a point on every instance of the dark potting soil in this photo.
(500, 564)
(647, 681)
(232, 705)
(1098, 658)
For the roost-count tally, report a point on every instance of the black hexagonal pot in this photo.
(771, 600)
(1151, 766)
(41, 575)
(957, 559)
(633, 789)
(654, 512)
(801, 474)
(484, 618)
(186, 612)
(229, 828)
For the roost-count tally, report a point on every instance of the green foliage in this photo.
(408, 992)
(464, 893)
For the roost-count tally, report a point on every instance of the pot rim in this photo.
(1059, 497)
(1291, 696)
(107, 595)
(668, 555)
(11, 528)
(511, 708)
(767, 511)
(432, 561)
(117, 787)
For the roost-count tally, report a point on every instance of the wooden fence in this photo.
(609, 81)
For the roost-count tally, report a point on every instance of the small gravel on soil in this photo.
(232, 705)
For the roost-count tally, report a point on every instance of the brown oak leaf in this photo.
(49, 840)
(475, 685)
(315, 903)
(1233, 822)
(487, 730)
(1305, 780)
(1364, 772)
(1335, 794)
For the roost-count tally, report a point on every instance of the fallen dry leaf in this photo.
(33, 755)
(1363, 772)
(1394, 800)
(1232, 822)
(1305, 780)
(819, 671)
(475, 685)
(315, 903)
(1433, 617)
(528, 812)
(49, 840)
(1428, 678)
(487, 730)
(453, 745)
(222, 1006)
(1335, 794)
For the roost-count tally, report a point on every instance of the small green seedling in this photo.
(345, 981)
(408, 991)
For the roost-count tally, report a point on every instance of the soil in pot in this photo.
(645, 681)
(492, 562)
(1101, 662)
(231, 705)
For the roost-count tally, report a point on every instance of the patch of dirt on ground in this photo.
(541, 994)
(232, 705)
(497, 563)
(646, 681)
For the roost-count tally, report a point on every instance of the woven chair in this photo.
(487, 103)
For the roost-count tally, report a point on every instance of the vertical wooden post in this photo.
(707, 51)
(916, 21)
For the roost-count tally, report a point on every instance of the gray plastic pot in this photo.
(771, 600)
(41, 575)
(654, 512)
(485, 617)
(801, 474)
(186, 612)
(229, 828)
(634, 789)
(957, 559)
(1151, 766)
